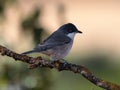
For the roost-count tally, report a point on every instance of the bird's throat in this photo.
(71, 35)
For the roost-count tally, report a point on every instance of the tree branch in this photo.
(39, 62)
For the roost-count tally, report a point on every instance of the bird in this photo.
(58, 44)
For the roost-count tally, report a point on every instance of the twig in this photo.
(39, 62)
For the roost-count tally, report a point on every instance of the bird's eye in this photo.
(70, 30)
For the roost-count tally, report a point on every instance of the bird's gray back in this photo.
(52, 41)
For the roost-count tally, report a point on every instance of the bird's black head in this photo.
(69, 28)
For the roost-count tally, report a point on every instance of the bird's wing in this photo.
(53, 41)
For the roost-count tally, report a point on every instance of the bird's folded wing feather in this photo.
(53, 41)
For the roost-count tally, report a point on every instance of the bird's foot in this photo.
(60, 64)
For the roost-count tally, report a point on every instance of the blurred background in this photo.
(25, 23)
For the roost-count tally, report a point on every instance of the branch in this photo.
(39, 62)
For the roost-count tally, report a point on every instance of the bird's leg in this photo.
(60, 61)
(64, 61)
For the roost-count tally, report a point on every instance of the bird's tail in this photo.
(28, 52)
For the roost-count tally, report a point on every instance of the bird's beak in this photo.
(79, 31)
